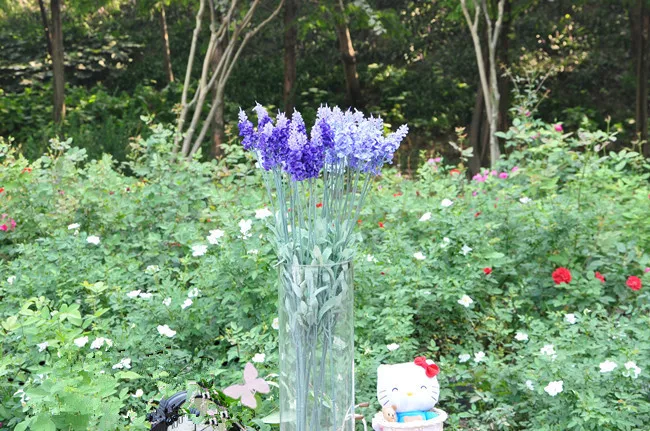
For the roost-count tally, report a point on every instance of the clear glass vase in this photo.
(316, 306)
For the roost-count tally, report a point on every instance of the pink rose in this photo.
(559, 128)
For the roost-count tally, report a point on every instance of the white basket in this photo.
(435, 424)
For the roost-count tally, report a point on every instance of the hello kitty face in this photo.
(407, 386)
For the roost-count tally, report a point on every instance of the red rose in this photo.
(2, 189)
(381, 225)
(633, 282)
(454, 172)
(319, 205)
(600, 277)
(397, 194)
(359, 221)
(478, 213)
(561, 275)
(487, 271)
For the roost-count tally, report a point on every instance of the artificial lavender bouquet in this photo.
(316, 183)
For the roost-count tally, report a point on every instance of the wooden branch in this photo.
(473, 28)
(188, 75)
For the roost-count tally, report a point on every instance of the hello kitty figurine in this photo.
(411, 390)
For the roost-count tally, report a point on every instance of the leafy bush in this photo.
(96, 253)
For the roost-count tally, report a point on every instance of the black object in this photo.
(167, 413)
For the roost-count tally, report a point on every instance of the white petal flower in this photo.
(81, 341)
(392, 347)
(186, 304)
(263, 213)
(479, 356)
(214, 236)
(193, 293)
(11, 279)
(464, 357)
(446, 203)
(99, 342)
(554, 388)
(73, 226)
(259, 358)
(166, 331)
(465, 250)
(93, 239)
(607, 366)
(253, 251)
(465, 301)
(632, 370)
(133, 293)
(42, 346)
(524, 200)
(124, 363)
(419, 255)
(529, 385)
(167, 301)
(152, 269)
(426, 216)
(521, 336)
(570, 318)
(548, 350)
(146, 295)
(445, 242)
(371, 258)
(138, 393)
(199, 250)
(276, 324)
(245, 227)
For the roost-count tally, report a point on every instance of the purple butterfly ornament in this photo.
(252, 384)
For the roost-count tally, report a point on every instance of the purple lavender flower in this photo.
(246, 131)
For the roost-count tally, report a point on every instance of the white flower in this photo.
(259, 358)
(124, 363)
(199, 250)
(464, 357)
(138, 393)
(42, 346)
(152, 269)
(479, 356)
(570, 318)
(167, 301)
(524, 200)
(193, 293)
(465, 250)
(554, 388)
(146, 295)
(186, 304)
(446, 203)
(99, 342)
(11, 279)
(445, 242)
(93, 239)
(276, 324)
(392, 347)
(73, 226)
(166, 331)
(631, 370)
(371, 258)
(263, 213)
(419, 256)
(81, 341)
(254, 251)
(245, 227)
(465, 301)
(607, 366)
(426, 216)
(521, 336)
(548, 350)
(529, 385)
(133, 293)
(214, 236)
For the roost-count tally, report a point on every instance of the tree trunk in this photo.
(504, 81)
(353, 88)
(641, 55)
(167, 57)
(475, 140)
(218, 125)
(46, 27)
(57, 62)
(290, 40)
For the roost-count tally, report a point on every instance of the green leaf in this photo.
(128, 375)
(43, 423)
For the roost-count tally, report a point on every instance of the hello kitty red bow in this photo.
(431, 370)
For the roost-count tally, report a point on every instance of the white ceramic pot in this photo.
(435, 424)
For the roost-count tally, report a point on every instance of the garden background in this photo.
(127, 273)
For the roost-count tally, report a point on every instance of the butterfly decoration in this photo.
(252, 384)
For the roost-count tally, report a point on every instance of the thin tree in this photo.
(290, 52)
(46, 27)
(488, 77)
(348, 56)
(640, 20)
(57, 61)
(167, 57)
(232, 33)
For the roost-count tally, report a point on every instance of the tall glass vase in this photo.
(316, 347)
